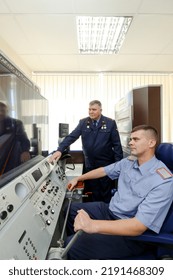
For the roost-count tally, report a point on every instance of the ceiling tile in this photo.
(40, 6)
(43, 34)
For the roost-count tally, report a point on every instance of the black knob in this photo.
(43, 202)
(10, 208)
(3, 215)
(46, 212)
(48, 222)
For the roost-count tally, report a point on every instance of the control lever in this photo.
(61, 253)
(72, 241)
(61, 240)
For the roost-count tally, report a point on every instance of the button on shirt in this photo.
(142, 192)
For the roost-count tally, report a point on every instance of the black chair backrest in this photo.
(164, 152)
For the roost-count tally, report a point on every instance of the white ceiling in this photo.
(43, 34)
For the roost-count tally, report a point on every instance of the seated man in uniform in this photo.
(142, 201)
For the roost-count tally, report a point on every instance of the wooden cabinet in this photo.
(140, 106)
(147, 107)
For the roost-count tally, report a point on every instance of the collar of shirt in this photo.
(147, 166)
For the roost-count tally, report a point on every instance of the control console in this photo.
(30, 206)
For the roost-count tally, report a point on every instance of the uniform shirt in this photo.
(142, 191)
(101, 144)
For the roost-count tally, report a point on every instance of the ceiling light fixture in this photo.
(101, 35)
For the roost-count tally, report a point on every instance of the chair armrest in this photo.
(163, 238)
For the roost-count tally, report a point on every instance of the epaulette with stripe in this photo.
(164, 173)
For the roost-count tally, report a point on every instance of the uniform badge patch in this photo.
(164, 173)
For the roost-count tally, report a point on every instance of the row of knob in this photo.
(49, 189)
(53, 189)
(4, 213)
(46, 212)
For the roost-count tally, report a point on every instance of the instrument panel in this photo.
(30, 206)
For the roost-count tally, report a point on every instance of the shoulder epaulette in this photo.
(164, 173)
(110, 119)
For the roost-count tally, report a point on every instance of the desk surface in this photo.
(73, 173)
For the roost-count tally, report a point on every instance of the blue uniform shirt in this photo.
(142, 191)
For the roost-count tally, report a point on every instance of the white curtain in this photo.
(69, 94)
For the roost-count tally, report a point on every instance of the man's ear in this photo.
(152, 143)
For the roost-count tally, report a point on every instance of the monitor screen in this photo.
(63, 130)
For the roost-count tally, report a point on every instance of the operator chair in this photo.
(162, 243)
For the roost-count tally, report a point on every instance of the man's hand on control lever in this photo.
(72, 183)
(83, 222)
(55, 156)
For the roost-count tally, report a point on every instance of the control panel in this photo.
(30, 206)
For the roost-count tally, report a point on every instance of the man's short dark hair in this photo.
(93, 102)
(149, 128)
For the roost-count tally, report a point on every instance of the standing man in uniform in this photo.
(101, 146)
(142, 201)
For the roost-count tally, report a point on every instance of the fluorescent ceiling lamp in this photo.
(101, 35)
